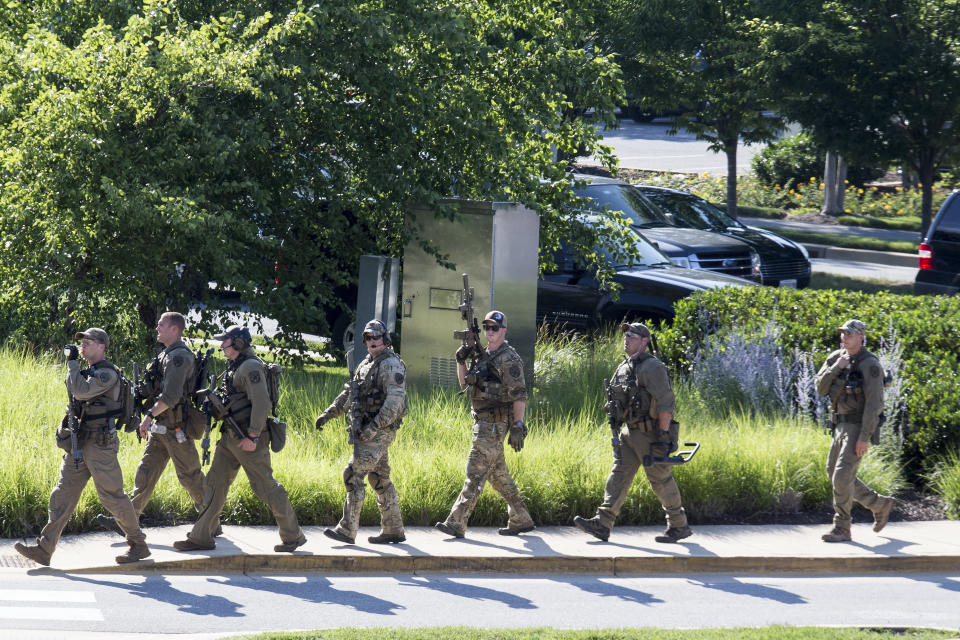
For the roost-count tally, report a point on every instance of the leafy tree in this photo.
(872, 78)
(699, 56)
(148, 153)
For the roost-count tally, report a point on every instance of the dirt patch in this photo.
(813, 217)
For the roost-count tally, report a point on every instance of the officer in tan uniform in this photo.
(645, 407)
(96, 400)
(494, 383)
(247, 402)
(853, 378)
(376, 403)
(170, 379)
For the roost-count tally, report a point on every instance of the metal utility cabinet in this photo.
(496, 244)
(377, 283)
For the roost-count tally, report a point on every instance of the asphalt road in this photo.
(648, 146)
(189, 604)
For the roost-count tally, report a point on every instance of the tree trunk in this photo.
(731, 151)
(830, 185)
(925, 174)
(841, 183)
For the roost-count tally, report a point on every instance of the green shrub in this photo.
(796, 159)
(929, 327)
(945, 480)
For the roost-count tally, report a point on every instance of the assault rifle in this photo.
(356, 413)
(208, 413)
(471, 335)
(73, 423)
(219, 412)
(137, 403)
(613, 410)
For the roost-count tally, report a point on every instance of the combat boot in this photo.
(36, 553)
(674, 534)
(289, 547)
(137, 551)
(593, 527)
(882, 515)
(387, 538)
(837, 534)
(508, 531)
(190, 545)
(339, 537)
(447, 529)
(110, 524)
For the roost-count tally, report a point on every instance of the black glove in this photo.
(667, 440)
(464, 353)
(518, 432)
(321, 420)
(71, 352)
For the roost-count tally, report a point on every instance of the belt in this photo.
(492, 412)
(646, 424)
(848, 417)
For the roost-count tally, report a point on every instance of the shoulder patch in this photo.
(177, 361)
(254, 377)
(398, 377)
(875, 371)
(104, 377)
(516, 371)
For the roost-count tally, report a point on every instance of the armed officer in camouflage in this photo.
(169, 382)
(643, 402)
(853, 378)
(494, 383)
(244, 442)
(96, 404)
(376, 402)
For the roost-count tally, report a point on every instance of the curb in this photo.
(889, 258)
(617, 565)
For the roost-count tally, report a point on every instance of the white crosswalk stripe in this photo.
(56, 612)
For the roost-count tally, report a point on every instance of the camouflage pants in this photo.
(842, 464)
(486, 462)
(370, 461)
(227, 461)
(160, 449)
(634, 444)
(99, 463)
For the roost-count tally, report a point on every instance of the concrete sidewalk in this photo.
(902, 546)
(847, 230)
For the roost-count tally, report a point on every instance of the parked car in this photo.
(691, 248)
(571, 297)
(782, 262)
(939, 255)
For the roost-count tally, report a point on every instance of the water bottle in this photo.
(159, 429)
(180, 435)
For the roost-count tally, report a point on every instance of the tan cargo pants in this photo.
(227, 461)
(486, 462)
(634, 444)
(99, 463)
(160, 449)
(842, 464)
(370, 461)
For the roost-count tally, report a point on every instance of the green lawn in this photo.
(866, 285)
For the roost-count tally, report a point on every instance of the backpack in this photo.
(127, 417)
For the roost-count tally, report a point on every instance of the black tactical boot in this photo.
(507, 531)
(447, 529)
(190, 545)
(339, 537)
(593, 527)
(136, 552)
(110, 524)
(675, 534)
(387, 538)
(289, 547)
(36, 553)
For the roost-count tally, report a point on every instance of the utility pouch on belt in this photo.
(194, 422)
(278, 433)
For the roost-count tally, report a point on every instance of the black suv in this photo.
(782, 261)
(691, 248)
(939, 257)
(570, 297)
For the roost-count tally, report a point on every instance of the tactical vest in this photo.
(849, 401)
(370, 396)
(485, 382)
(236, 402)
(100, 412)
(629, 402)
